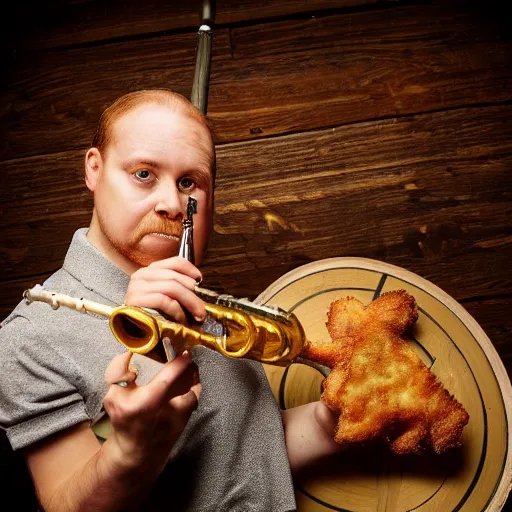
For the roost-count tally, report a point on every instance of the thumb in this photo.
(118, 368)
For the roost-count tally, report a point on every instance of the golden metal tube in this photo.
(277, 342)
(140, 331)
(244, 334)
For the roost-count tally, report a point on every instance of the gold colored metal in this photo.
(140, 331)
(276, 341)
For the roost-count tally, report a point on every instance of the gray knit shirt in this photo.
(231, 456)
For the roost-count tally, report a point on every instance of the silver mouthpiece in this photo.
(187, 236)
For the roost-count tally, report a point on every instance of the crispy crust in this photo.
(378, 384)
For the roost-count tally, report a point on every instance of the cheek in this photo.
(203, 203)
(203, 224)
(124, 201)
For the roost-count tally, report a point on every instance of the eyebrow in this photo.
(145, 161)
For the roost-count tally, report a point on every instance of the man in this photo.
(176, 443)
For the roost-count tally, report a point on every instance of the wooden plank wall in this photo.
(378, 129)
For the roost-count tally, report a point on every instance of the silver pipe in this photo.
(200, 84)
(187, 237)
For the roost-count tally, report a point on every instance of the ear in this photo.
(93, 168)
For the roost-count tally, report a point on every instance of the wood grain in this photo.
(294, 76)
(54, 100)
(283, 77)
(494, 317)
(414, 192)
(62, 23)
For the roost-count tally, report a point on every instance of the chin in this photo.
(155, 249)
(145, 258)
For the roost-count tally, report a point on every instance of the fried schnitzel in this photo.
(378, 384)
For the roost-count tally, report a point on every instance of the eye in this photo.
(186, 184)
(143, 175)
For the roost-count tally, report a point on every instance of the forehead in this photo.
(158, 128)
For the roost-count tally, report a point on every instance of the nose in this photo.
(169, 202)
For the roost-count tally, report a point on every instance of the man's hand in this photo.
(309, 434)
(73, 471)
(147, 420)
(168, 286)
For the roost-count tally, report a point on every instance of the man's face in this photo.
(156, 160)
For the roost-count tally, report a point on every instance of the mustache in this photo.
(169, 228)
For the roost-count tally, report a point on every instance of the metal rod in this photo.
(200, 84)
(187, 236)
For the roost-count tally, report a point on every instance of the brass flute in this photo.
(230, 330)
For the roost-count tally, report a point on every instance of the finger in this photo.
(184, 382)
(185, 403)
(196, 389)
(169, 307)
(165, 274)
(119, 369)
(174, 379)
(172, 290)
(179, 264)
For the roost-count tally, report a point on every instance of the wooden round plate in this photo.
(475, 477)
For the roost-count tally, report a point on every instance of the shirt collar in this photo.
(87, 264)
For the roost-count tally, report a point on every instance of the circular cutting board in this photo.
(473, 478)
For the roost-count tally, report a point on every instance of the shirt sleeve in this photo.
(38, 392)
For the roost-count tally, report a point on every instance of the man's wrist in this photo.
(127, 463)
